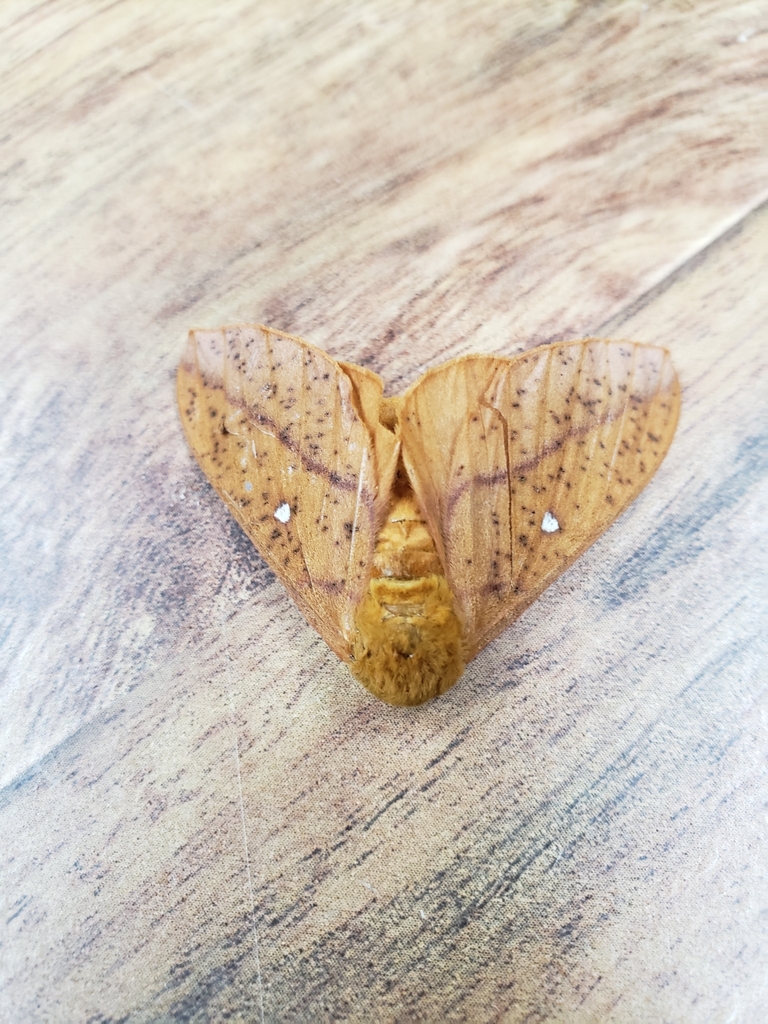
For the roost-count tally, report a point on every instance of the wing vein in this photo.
(356, 519)
(619, 435)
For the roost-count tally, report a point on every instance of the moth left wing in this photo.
(519, 464)
(291, 440)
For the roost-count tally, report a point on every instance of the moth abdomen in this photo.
(408, 643)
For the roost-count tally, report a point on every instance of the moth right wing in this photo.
(291, 440)
(519, 464)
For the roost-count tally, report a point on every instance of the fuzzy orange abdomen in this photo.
(408, 640)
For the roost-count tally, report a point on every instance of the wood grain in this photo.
(203, 816)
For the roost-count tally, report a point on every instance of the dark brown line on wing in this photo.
(491, 479)
(311, 465)
(330, 586)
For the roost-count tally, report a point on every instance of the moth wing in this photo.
(292, 442)
(519, 464)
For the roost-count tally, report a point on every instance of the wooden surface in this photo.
(203, 816)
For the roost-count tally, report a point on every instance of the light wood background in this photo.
(203, 817)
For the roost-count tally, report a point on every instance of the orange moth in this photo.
(411, 531)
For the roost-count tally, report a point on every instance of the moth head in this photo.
(389, 413)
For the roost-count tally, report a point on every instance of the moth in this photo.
(411, 531)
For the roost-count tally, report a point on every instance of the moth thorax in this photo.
(404, 548)
(408, 641)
